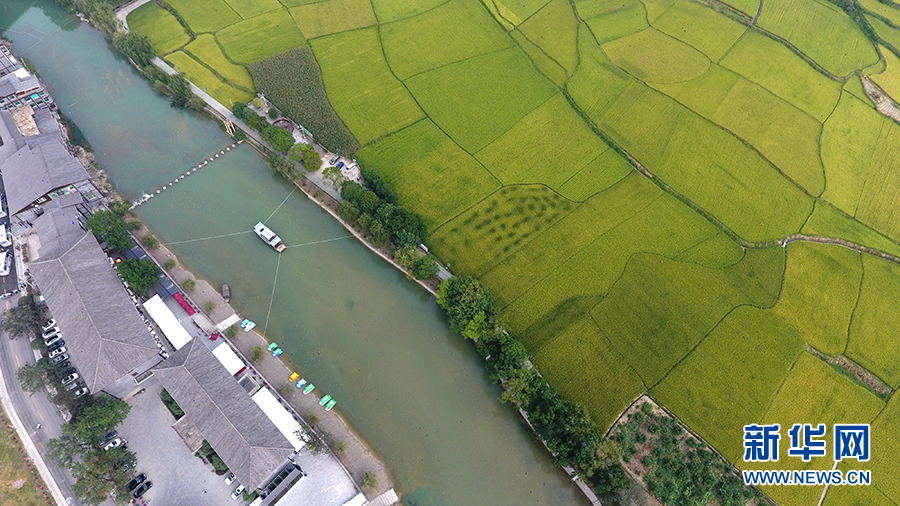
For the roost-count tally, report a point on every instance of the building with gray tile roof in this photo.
(237, 429)
(36, 169)
(105, 335)
(20, 87)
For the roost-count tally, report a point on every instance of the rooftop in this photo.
(105, 335)
(242, 435)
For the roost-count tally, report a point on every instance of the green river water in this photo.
(346, 319)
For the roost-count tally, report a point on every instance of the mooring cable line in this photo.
(279, 205)
(272, 299)
(319, 242)
(209, 238)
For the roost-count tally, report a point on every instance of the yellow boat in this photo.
(293, 377)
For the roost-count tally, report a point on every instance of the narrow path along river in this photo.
(349, 322)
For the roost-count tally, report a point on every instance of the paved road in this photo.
(33, 409)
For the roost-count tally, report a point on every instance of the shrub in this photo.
(209, 306)
(239, 134)
(170, 403)
(137, 47)
(425, 268)
(341, 447)
(135, 225)
(150, 241)
(170, 264)
(256, 354)
(369, 481)
(231, 331)
(273, 113)
(257, 103)
(293, 81)
(188, 284)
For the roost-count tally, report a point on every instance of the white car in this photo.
(70, 378)
(52, 331)
(237, 492)
(115, 443)
(58, 351)
(52, 339)
(49, 325)
(229, 479)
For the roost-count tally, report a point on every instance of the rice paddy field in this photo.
(623, 175)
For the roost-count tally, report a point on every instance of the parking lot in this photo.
(178, 476)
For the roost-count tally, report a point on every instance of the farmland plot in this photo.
(370, 100)
(598, 82)
(660, 309)
(433, 176)
(654, 57)
(873, 342)
(888, 80)
(601, 173)
(205, 16)
(258, 38)
(206, 80)
(878, 203)
(584, 367)
(394, 10)
(773, 66)
(554, 29)
(700, 27)
(431, 40)
(549, 145)
(826, 220)
(821, 285)
(205, 49)
(333, 16)
(729, 380)
(612, 19)
(706, 164)
(856, 496)
(886, 438)
(250, 8)
(159, 25)
(477, 100)
(814, 393)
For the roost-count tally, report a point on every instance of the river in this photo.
(348, 321)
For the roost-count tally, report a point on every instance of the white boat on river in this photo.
(269, 237)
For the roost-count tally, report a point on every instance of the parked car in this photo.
(334, 160)
(58, 351)
(73, 385)
(53, 340)
(340, 165)
(115, 443)
(237, 492)
(229, 478)
(69, 370)
(56, 345)
(109, 437)
(49, 325)
(142, 489)
(80, 392)
(70, 378)
(51, 331)
(137, 480)
(64, 364)
(60, 358)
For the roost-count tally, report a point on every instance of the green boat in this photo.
(273, 346)
(324, 400)
(309, 388)
(330, 405)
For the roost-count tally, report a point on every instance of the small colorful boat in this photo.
(309, 388)
(249, 326)
(273, 346)
(324, 400)
(293, 377)
(277, 352)
(330, 405)
(301, 383)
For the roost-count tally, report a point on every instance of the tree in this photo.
(280, 165)
(307, 155)
(382, 188)
(110, 229)
(463, 298)
(425, 268)
(368, 202)
(256, 354)
(349, 212)
(378, 234)
(181, 90)
(25, 320)
(188, 284)
(280, 139)
(170, 264)
(239, 108)
(273, 113)
(137, 47)
(97, 472)
(35, 377)
(139, 274)
(151, 241)
(407, 228)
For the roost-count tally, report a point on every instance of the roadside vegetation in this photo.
(23, 485)
(99, 474)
